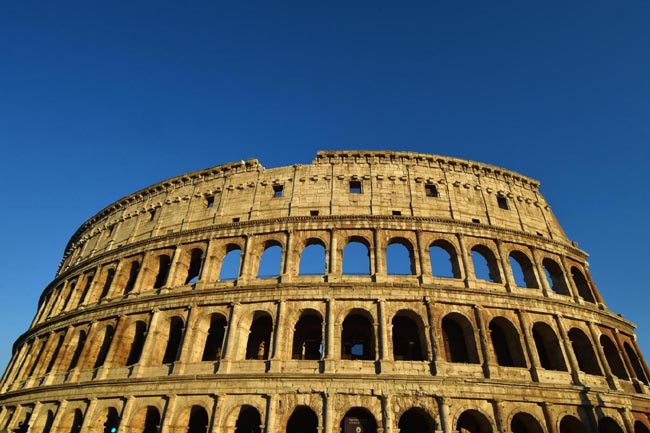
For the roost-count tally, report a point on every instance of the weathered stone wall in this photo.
(141, 323)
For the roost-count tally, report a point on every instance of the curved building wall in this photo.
(187, 307)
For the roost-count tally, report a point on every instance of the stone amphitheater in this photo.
(366, 292)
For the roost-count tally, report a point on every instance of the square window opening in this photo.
(430, 190)
(503, 202)
(313, 213)
(235, 220)
(355, 187)
(277, 191)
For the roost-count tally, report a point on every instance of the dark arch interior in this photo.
(406, 339)
(308, 337)
(198, 422)
(584, 352)
(259, 338)
(151, 420)
(472, 421)
(525, 423)
(458, 338)
(571, 424)
(173, 340)
(358, 339)
(358, 420)
(608, 425)
(416, 420)
(248, 421)
(302, 420)
(548, 347)
(214, 340)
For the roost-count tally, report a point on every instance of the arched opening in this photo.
(198, 422)
(194, 270)
(458, 339)
(230, 264)
(639, 427)
(582, 285)
(416, 420)
(358, 338)
(248, 421)
(608, 425)
(485, 264)
(139, 336)
(112, 423)
(270, 261)
(356, 257)
(71, 422)
(399, 258)
(312, 258)
(259, 337)
(308, 337)
(164, 263)
(472, 421)
(49, 420)
(302, 420)
(55, 354)
(613, 359)
(555, 277)
(522, 270)
(358, 420)
(134, 270)
(525, 423)
(444, 260)
(407, 338)
(110, 275)
(174, 339)
(109, 331)
(151, 420)
(548, 347)
(79, 347)
(214, 340)
(636, 363)
(571, 424)
(506, 343)
(584, 352)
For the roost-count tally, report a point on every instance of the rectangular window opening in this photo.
(235, 220)
(430, 190)
(503, 202)
(152, 214)
(355, 187)
(313, 213)
(397, 212)
(476, 220)
(277, 191)
(209, 201)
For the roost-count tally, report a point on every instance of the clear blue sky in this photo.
(99, 99)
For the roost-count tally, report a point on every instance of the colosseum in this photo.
(369, 291)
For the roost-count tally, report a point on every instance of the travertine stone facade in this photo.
(407, 293)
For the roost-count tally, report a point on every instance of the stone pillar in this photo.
(211, 263)
(378, 265)
(445, 419)
(425, 264)
(600, 353)
(152, 331)
(548, 417)
(382, 325)
(288, 257)
(483, 341)
(569, 281)
(500, 422)
(271, 412)
(119, 268)
(434, 352)
(229, 338)
(568, 348)
(526, 331)
(173, 277)
(329, 337)
(166, 417)
(466, 262)
(387, 421)
(185, 352)
(126, 414)
(543, 281)
(278, 333)
(508, 278)
(89, 415)
(60, 410)
(245, 263)
(329, 412)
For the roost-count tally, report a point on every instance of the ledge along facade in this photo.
(366, 292)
